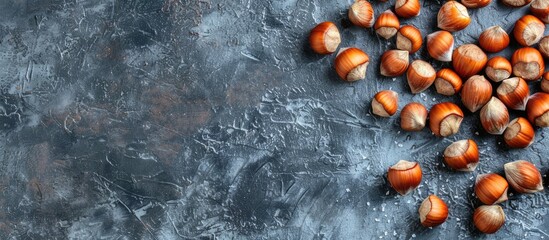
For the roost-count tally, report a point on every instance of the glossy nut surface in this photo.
(523, 176)
(433, 211)
(468, 60)
(404, 176)
(494, 39)
(514, 93)
(453, 16)
(528, 30)
(491, 188)
(409, 39)
(361, 14)
(528, 63)
(537, 109)
(489, 218)
(498, 69)
(445, 119)
(447, 82)
(324, 38)
(519, 133)
(462, 155)
(385, 103)
(413, 117)
(351, 64)
(476, 92)
(387, 24)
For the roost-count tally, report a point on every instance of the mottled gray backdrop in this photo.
(166, 119)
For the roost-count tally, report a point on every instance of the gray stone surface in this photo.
(155, 119)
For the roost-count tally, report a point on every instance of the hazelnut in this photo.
(523, 176)
(519, 133)
(537, 109)
(493, 39)
(448, 82)
(409, 39)
(387, 24)
(440, 45)
(489, 218)
(361, 14)
(543, 46)
(404, 176)
(491, 188)
(413, 117)
(385, 103)
(475, 3)
(351, 64)
(462, 155)
(528, 30)
(494, 116)
(468, 60)
(433, 211)
(516, 3)
(476, 92)
(453, 16)
(527, 63)
(394, 63)
(498, 68)
(540, 9)
(324, 38)
(407, 8)
(545, 82)
(420, 75)
(514, 93)
(445, 119)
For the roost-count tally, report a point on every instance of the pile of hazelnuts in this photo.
(468, 60)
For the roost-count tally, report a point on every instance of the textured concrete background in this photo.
(165, 119)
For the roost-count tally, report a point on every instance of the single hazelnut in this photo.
(445, 119)
(523, 176)
(475, 3)
(420, 75)
(543, 46)
(448, 82)
(440, 45)
(324, 38)
(494, 117)
(498, 68)
(468, 60)
(476, 92)
(528, 30)
(537, 109)
(453, 16)
(385, 103)
(491, 188)
(462, 155)
(387, 24)
(404, 176)
(433, 211)
(407, 8)
(527, 63)
(540, 9)
(351, 64)
(361, 14)
(409, 39)
(489, 218)
(493, 39)
(514, 93)
(413, 117)
(519, 133)
(394, 63)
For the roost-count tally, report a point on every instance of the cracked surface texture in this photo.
(167, 119)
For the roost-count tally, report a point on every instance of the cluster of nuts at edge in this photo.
(526, 65)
